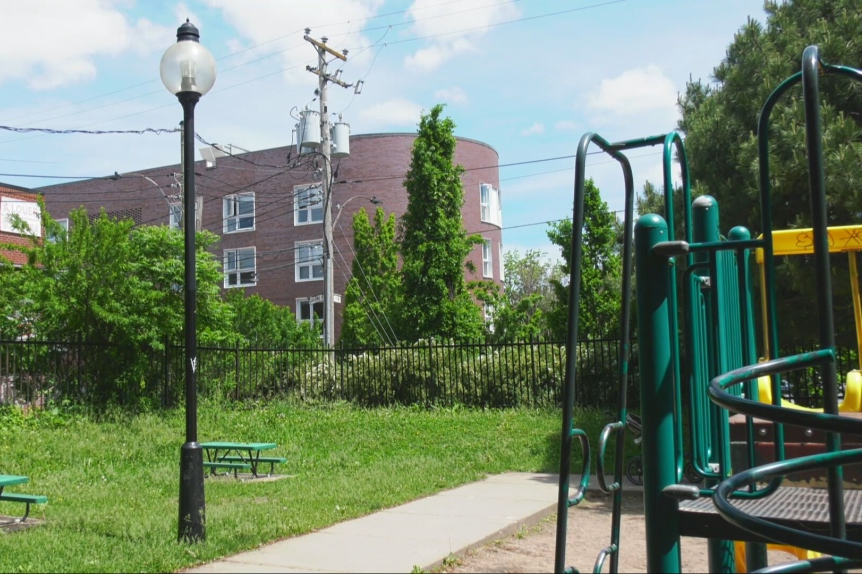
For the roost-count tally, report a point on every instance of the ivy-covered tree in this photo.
(720, 122)
(434, 243)
(261, 323)
(107, 282)
(601, 271)
(373, 292)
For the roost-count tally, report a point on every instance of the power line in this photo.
(406, 40)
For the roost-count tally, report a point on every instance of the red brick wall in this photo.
(15, 257)
(374, 168)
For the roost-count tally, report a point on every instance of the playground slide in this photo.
(852, 402)
(800, 553)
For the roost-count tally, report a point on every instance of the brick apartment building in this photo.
(270, 219)
(22, 202)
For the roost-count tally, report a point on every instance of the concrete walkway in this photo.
(419, 534)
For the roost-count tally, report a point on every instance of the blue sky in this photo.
(528, 77)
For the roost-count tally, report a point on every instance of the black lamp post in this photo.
(188, 71)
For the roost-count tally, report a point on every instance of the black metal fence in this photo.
(530, 373)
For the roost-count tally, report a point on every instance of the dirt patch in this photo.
(9, 524)
(532, 549)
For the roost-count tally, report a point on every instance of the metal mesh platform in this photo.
(805, 509)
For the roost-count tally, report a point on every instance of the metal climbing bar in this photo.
(568, 430)
(671, 142)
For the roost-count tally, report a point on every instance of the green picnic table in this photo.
(28, 499)
(238, 456)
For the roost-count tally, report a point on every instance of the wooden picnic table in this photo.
(245, 455)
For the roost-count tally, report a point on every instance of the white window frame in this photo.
(489, 316)
(233, 215)
(175, 215)
(306, 211)
(310, 306)
(309, 261)
(487, 259)
(490, 205)
(240, 256)
(64, 223)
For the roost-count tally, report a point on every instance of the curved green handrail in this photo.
(615, 427)
(777, 532)
(568, 431)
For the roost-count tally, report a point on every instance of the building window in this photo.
(309, 310)
(64, 231)
(175, 216)
(239, 212)
(491, 207)
(308, 205)
(309, 261)
(487, 262)
(489, 317)
(239, 268)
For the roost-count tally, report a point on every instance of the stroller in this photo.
(634, 464)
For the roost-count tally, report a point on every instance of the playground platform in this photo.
(419, 534)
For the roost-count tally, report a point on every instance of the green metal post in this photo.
(755, 552)
(657, 397)
(823, 274)
(706, 230)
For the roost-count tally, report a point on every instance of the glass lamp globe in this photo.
(187, 66)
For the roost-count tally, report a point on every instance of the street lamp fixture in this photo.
(340, 206)
(188, 71)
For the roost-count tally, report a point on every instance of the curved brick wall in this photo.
(375, 168)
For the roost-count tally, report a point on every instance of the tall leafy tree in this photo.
(110, 283)
(720, 121)
(520, 310)
(372, 294)
(434, 244)
(601, 270)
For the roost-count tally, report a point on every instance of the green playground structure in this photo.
(754, 506)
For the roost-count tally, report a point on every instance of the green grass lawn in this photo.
(113, 483)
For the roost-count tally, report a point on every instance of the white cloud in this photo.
(565, 125)
(469, 19)
(635, 91)
(534, 129)
(276, 26)
(77, 33)
(395, 112)
(655, 175)
(454, 95)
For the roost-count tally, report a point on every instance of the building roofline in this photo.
(413, 135)
(11, 187)
(288, 146)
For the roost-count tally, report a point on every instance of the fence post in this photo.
(165, 373)
(433, 382)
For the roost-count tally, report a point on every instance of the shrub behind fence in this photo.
(529, 373)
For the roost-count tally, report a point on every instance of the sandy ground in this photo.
(532, 550)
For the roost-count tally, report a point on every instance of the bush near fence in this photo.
(529, 373)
